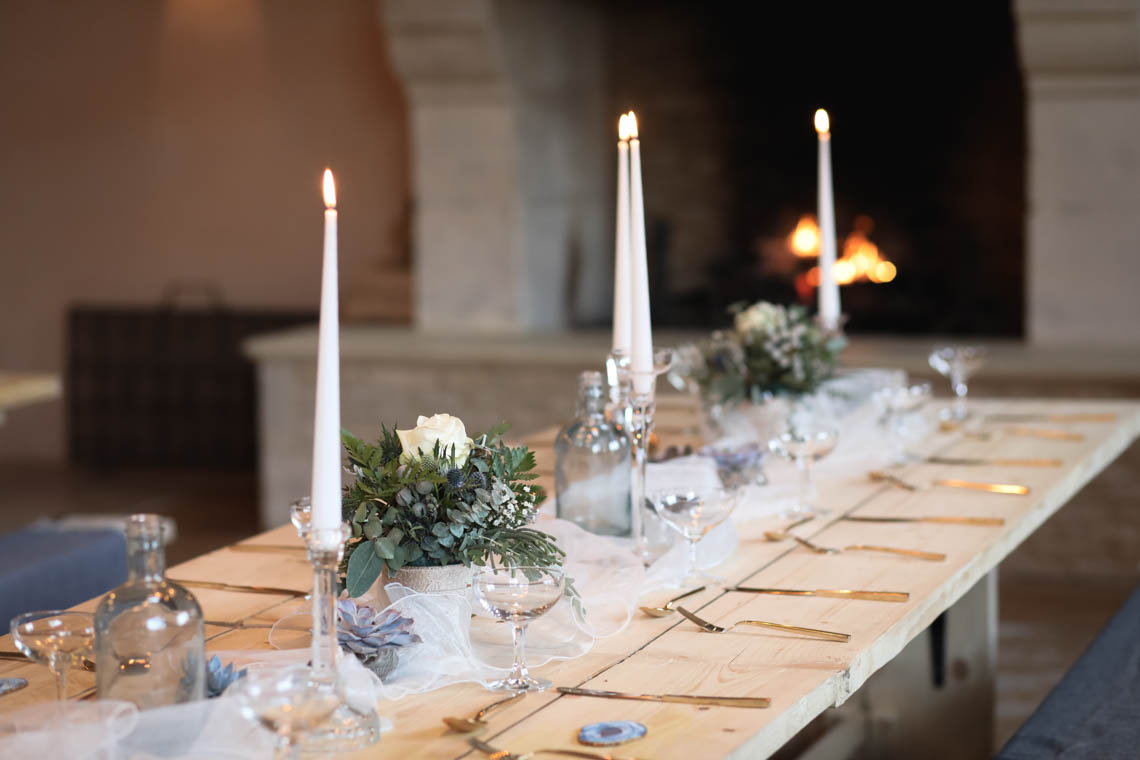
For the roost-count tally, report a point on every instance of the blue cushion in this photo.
(54, 569)
(1093, 712)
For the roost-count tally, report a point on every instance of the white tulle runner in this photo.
(461, 643)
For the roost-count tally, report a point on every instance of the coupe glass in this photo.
(693, 514)
(898, 405)
(518, 595)
(287, 701)
(60, 639)
(957, 363)
(805, 444)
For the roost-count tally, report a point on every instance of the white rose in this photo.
(445, 429)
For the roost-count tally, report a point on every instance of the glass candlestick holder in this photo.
(352, 725)
(651, 537)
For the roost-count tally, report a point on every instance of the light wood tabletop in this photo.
(803, 677)
(23, 388)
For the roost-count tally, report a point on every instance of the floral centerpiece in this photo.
(771, 350)
(433, 497)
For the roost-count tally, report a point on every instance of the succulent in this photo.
(218, 678)
(364, 631)
(374, 637)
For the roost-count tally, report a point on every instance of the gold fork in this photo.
(502, 754)
(932, 556)
(813, 632)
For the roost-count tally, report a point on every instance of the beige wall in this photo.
(143, 142)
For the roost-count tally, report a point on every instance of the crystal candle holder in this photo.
(350, 726)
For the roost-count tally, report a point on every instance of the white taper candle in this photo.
(325, 494)
(641, 334)
(622, 289)
(829, 307)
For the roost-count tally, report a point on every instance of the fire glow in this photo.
(861, 260)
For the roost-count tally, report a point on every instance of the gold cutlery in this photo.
(973, 462)
(476, 722)
(813, 632)
(1022, 432)
(681, 699)
(667, 609)
(932, 556)
(502, 754)
(241, 589)
(88, 665)
(829, 593)
(1012, 489)
(267, 548)
(943, 520)
(1062, 418)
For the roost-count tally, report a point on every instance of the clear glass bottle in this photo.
(150, 644)
(592, 464)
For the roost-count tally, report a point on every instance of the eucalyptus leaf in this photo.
(363, 570)
(384, 547)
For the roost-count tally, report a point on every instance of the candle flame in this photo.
(822, 122)
(623, 127)
(329, 190)
(631, 125)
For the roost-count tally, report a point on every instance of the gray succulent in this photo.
(375, 637)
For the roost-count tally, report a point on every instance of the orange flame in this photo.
(861, 260)
(804, 240)
(329, 189)
(623, 127)
(631, 125)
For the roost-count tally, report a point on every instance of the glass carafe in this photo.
(149, 635)
(592, 465)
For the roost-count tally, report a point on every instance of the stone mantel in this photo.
(391, 374)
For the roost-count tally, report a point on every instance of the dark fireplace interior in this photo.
(928, 128)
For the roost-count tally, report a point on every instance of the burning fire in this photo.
(804, 240)
(861, 260)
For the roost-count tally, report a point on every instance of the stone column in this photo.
(1082, 67)
(508, 165)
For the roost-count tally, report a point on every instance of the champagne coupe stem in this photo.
(519, 675)
(692, 569)
(961, 390)
(803, 464)
(60, 674)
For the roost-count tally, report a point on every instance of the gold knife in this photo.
(830, 593)
(1056, 435)
(241, 589)
(682, 699)
(945, 520)
(237, 624)
(971, 462)
(918, 553)
(1079, 417)
(1007, 488)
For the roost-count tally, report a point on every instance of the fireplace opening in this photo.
(928, 146)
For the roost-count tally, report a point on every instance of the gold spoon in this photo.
(476, 722)
(668, 609)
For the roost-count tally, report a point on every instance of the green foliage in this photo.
(427, 511)
(771, 350)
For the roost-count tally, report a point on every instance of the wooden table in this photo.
(803, 677)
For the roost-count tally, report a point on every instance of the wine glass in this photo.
(60, 639)
(693, 514)
(287, 701)
(898, 403)
(805, 444)
(957, 363)
(518, 595)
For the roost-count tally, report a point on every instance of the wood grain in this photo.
(803, 677)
